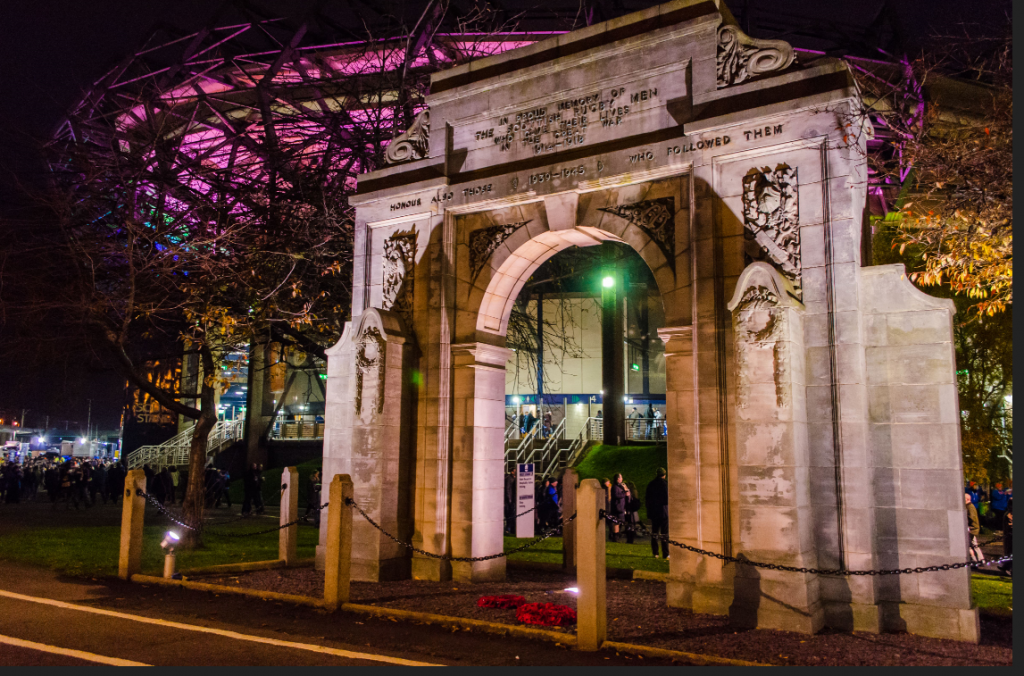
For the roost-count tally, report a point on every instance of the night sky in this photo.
(50, 51)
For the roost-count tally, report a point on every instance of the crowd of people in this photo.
(83, 482)
(622, 504)
(76, 482)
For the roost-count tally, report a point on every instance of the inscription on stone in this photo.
(771, 130)
(398, 206)
(564, 124)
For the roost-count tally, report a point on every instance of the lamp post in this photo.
(612, 358)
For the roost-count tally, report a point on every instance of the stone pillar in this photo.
(570, 479)
(288, 538)
(918, 467)
(370, 436)
(478, 457)
(772, 460)
(338, 557)
(685, 504)
(591, 606)
(129, 561)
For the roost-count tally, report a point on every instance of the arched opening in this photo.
(561, 392)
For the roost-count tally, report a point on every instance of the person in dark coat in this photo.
(167, 484)
(86, 484)
(656, 501)
(115, 482)
(157, 488)
(51, 481)
(313, 503)
(617, 504)
(258, 503)
(510, 503)
(99, 483)
(250, 487)
(148, 471)
(632, 513)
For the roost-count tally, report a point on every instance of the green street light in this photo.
(608, 282)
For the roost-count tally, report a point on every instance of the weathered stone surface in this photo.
(811, 402)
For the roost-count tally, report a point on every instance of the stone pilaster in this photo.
(478, 453)
(775, 523)
(370, 436)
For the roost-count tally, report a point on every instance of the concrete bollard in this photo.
(591, 607)
(569, 481)
(288, 538)
(338, 559)
(133, 511)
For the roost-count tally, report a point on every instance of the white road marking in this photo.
(220, 632)
(78, 654)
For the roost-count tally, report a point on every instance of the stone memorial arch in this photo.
(811, 400)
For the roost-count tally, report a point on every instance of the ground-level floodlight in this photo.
(170, 541)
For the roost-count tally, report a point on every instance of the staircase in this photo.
(175, 450)
(554, 454)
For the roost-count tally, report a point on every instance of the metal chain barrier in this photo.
(463, 559)
(838, 572)
(178, 520)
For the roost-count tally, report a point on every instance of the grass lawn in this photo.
(92, 551)
(636, 463)
(620, 555)
(993, 595)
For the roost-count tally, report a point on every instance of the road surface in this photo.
(48, 619)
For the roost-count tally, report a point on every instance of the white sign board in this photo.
(525, 496)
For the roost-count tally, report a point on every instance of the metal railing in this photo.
(305, 427)
(645, 429)
(593, 430)
(511, 429)
(175, 451)
(514, 456)
(547, 459)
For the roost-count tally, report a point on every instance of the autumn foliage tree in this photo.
(945, 160)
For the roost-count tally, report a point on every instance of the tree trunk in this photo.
(195, 493)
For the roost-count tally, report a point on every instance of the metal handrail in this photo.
(542, 466)
(175, 451)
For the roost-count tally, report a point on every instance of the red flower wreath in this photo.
(501, 601)
(546, 614)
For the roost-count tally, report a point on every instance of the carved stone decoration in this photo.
(741, 57)
(484, 241)
(656, 218)
(413, 144)
(771, 217)
(759, 322)
(399, 260)
(370, 358)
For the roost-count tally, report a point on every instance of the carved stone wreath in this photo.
(483, 242)
(399, 261)
(413, 144)
(759, 323)
(656, 217)
(370, 357)
(772, 219)
(741, 57)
